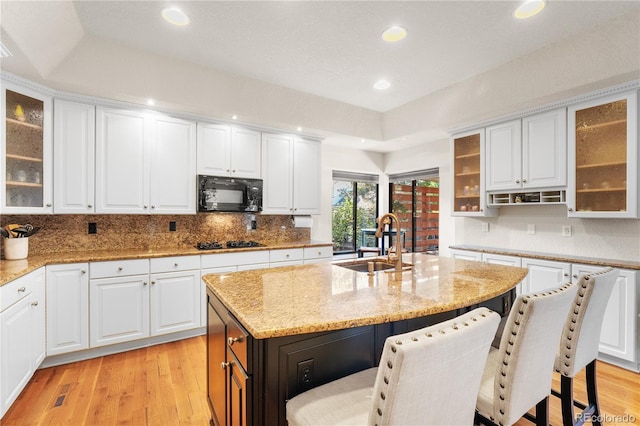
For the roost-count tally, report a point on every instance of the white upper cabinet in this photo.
(144, 163)
(527, 153)
(468, 175)
(173, 165)
(74, 157)
(603, 157)
(291, 173)
(25, 151)
(544, 150)
(228, 151)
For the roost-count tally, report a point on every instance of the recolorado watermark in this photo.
(608, 418)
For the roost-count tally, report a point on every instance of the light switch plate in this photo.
(531, 229)
(566, 230)
(485, 227)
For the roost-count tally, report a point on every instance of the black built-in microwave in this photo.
(229, 194)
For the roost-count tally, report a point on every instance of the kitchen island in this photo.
(277, 332)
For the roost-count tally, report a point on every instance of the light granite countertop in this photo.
(624, 264)
(12, 269)
(322, 297)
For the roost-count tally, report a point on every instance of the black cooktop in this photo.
(214, 245)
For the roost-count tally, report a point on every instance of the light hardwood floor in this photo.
(166, 385)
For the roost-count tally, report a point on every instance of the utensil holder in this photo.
(16, 248)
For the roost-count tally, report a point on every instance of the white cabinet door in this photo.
(277, 172)
(16, 347)
(173, 167)
(544, 274)
(618, 335)
(122, 151)
(466, 255)
(119, 309)
(245, 153)
(175, 302)
(291, 173)
(214, 149)
(74, 157)
(306, 177)
(25, 151)
(503, 156)
(544, 150)
(67, 308)
(22, 337)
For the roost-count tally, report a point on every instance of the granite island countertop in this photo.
(322, 297)
(12, 269)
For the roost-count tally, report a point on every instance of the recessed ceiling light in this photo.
(362, 140)
(175, 16)
(234, 117)
(382, 85)
(299, 128)
(529, 8)
(394, 34)
(151, 102)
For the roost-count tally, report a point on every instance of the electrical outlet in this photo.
(485, 227)
(531, 229)
(305, 374)
(93, 228)
(566, 230)
(172, 226)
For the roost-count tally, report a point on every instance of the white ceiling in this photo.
(331, 49)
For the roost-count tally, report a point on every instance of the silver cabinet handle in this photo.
(524, 181)
(575, 275)
(566, 274)
(517, 181)
(175, 265)
(144, 283)
(144, 206)
(89, 206)
(119, 268)
(153, 206)
(228, 170)
(570, 209)
(224, 365)
(48, 204)
(34, 303)
(83, 271)
(153, 282)
(22, 289)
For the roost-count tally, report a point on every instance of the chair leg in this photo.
(542, 412)
(566, 400)
(592, 393)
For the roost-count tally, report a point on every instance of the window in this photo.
(414, 198)
(354, 210)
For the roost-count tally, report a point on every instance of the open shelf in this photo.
(24, 184)
(23, 158)
(600, 125)
(23, 124)
(528, 198)
(597, 165)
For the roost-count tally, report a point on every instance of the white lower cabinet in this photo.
(620, 323)
(317, 254)
(67, 308)
(119, 309)
(544, 274)
(285, 257)
(175, 301)
(466, 255)
(22, 334)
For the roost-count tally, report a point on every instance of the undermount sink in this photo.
(378, 265)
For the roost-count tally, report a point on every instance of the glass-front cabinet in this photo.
(26, 151)
(468, 196)
(603, 157)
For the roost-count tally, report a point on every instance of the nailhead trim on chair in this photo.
(504, 369)
(415, 339)
(574, 320)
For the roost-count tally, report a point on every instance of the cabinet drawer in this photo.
(285, 255)
(231, 259)
(237, 341)
(318, 252)
(118, 268)
(174, 263)
(17, 289)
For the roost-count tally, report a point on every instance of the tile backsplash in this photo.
(70, 232)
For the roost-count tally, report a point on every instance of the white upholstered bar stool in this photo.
(518, 374)
(425, 377)
(579, 344)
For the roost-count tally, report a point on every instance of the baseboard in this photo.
(61, 359)
(627, 365)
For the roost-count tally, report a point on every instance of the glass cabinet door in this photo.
(468, 175)
(603, 158)
(26, 151)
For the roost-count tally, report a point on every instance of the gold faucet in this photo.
(386, 219)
